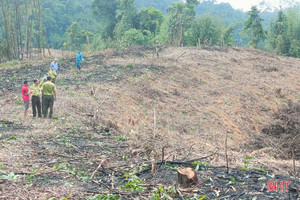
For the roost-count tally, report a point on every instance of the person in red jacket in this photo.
(26, 97)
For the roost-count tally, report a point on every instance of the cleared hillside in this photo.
(177, 107)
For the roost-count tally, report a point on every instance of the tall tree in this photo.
(18, 19)
(278, 36)
(150, 19)
(253, 27)
(126, 17)
(176, 20)
(105, 11)
(181, 16)
(7, 33)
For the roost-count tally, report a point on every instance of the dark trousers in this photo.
(48, 101)
(36, 105)
(78, 64)
(43, 101)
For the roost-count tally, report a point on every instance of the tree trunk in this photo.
(38, 22)
(13, 40)
(187, 177)
(47, 43)
(41, 26)
(30, 32)
(6, 30)
(27, 25)
(88, 41)
(18, 16)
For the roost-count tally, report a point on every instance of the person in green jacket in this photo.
(48, 96)
(35, 99)
(53, 74)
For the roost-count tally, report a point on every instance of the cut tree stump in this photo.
(187, 177)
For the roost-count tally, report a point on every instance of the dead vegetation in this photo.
(285, 129)
(126, 122)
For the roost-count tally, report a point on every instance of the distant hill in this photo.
(157, 4)
(224, 11)
(59, 15)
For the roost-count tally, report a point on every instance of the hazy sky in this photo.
(246, 4)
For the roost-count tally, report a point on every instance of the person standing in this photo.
(48, 96)
(55, 65)
(35, 99)
(78, 59)
(53, 74)
(26, 97)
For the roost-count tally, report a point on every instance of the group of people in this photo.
(45, 89)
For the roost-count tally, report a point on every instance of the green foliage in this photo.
(261, 169)
(295, 48)
(247, 162)
(161, 5)
(284, 36)
(126, 18)
(163, 35)
(76, 38)
(105, 12)
(231, 182)
(18, 101)
(72, 171)
(200, 165)
(121, 138)
(13, 138)
(119, 23)
(30, 177)
(253, 27)
(150, 19)
(170, 166)
(104, 197)
(163, 193)
(143, 167)
(195, 197)
(58, 15)
(207, 29)
(132, 182)
(7, 175)
(99, 43)
(181, 17)
(278, 37)
(176, 20)
(135, 37)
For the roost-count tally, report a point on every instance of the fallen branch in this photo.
(186, 163)
(226, 155)
(102, 184)
(95, 114)
(180, 55)
(93, 174)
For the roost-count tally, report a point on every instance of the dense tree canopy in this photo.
(68, 24)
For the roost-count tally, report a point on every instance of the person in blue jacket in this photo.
(55, 65)
(78, 59)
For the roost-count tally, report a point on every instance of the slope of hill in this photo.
(127, 109)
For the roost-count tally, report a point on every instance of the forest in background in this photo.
(91, 25)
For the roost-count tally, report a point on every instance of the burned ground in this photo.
(127, 109)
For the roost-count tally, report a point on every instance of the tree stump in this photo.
(187, 177)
